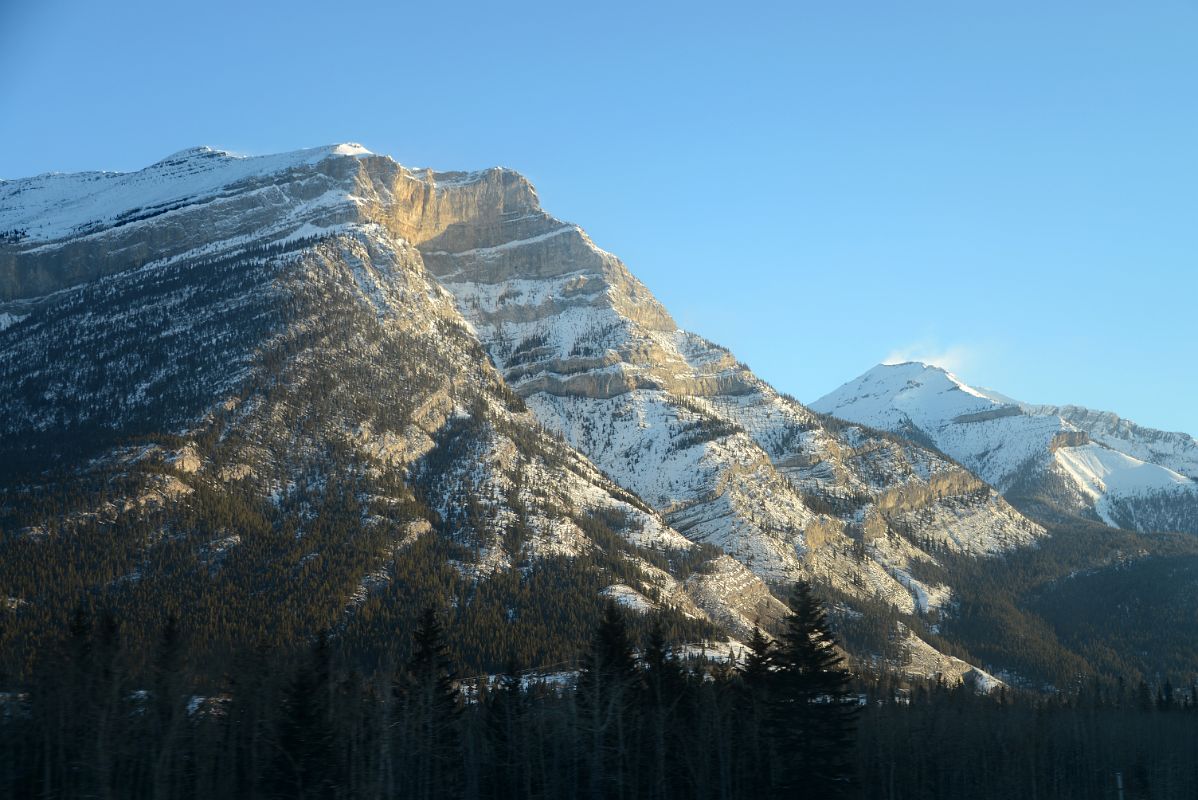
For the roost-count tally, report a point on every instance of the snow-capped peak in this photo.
(891, 396)
(1108, 461)
(922, 370)
(310, 155)
(188, 153)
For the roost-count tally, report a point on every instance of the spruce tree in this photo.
(661, 692)
(813, 714)
(755, 690)
(167, 703)
(759, 661)
(430, 707)
(605, 698)
(304, 764)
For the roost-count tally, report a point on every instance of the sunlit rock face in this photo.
(685, 425)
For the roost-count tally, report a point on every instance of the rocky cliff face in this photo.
(680, 422)
(1175, 451)
(275, 326)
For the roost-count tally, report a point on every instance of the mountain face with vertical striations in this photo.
(316, 390)
(1069, 459)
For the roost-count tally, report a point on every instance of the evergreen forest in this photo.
(634, 715)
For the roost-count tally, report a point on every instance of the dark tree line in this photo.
(949, 742)
(636, 720)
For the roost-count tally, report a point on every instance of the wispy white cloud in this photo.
(954, 358)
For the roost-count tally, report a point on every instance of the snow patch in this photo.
(7, 320)
(628, 597)
(1103, 474)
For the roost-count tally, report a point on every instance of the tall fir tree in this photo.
(605, 696)
(759, 660)
(430, 707)
(661, 692)
(508, 772)
(813, 714)
(304, 759)
(755, 691)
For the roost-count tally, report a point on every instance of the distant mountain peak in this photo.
(923, 370)
(912, 393)
(1127, 475)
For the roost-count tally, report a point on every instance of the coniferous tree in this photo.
(605, 697)
(759, 660)
(812, 711)
(430, 707)
(661, 692)
(167, 705)
(509, 768)
(755, 690)
(303, 764)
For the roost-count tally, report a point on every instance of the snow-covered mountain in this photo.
(440, 359)
(261, 334)
(1127, 475)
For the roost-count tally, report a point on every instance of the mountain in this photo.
(231, 368)
(1069, 459)
(275, 395)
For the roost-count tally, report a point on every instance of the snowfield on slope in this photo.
(55, 205)
(1103, 474)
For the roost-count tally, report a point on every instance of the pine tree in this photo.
(304, 761)
(605, 698)
(167, 703)
(812, 712)
(759, 661)
(755, 691)
(661, 692)
(508, 764)
(430, 708)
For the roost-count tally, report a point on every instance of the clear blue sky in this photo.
(1011, 188)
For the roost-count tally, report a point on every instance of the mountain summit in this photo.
(1084, 461)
